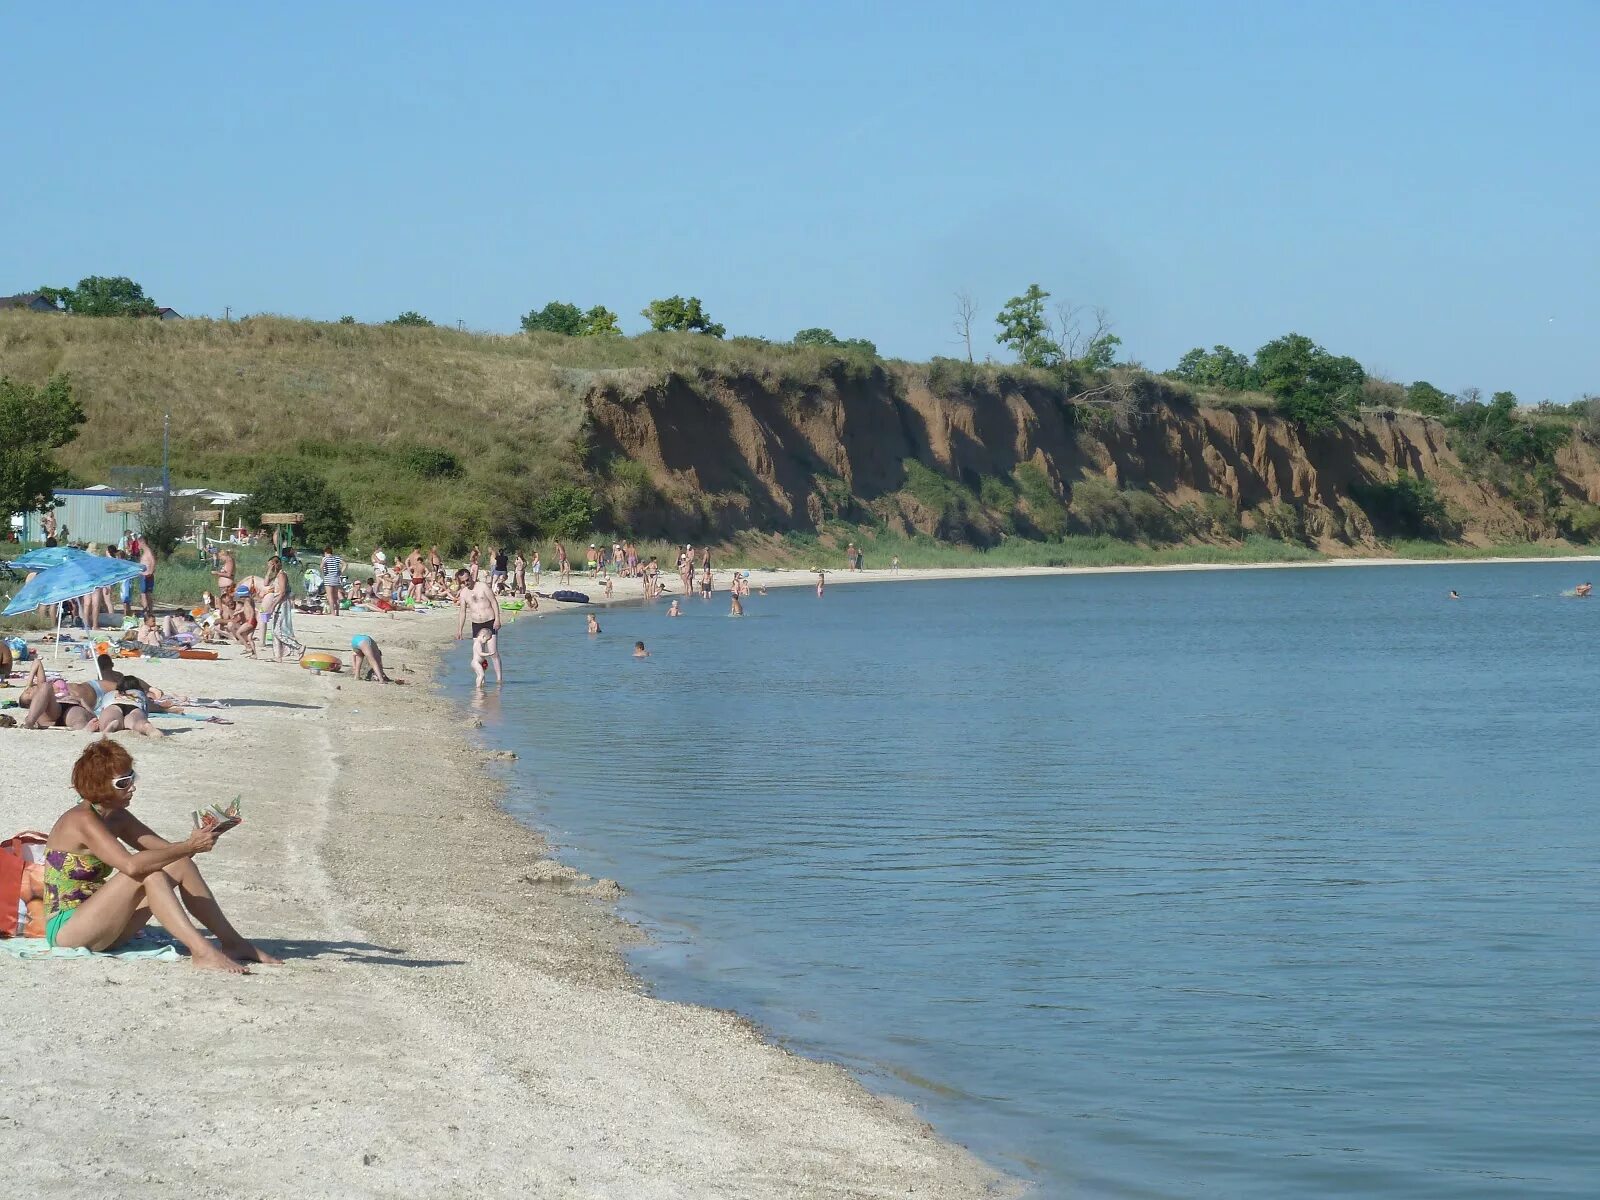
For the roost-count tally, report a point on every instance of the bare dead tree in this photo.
(966, 313)
(1114, 400)
(1076, 329)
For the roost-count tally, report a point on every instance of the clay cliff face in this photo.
(730, 452)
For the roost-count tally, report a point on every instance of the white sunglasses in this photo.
(123, 782)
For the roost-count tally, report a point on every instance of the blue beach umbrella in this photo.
(48, 556)
(76, 576)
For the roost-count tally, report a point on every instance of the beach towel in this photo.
(26, 948)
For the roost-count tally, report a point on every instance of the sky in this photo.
(1414, 184)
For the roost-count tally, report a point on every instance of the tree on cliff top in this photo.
(1026, 330)
(34, 421)
(103, 296)
(677, 315)
(411, 317)
(1223, 367)
(569, 320)
(1423, 397)
(826, 337)
(1313, 388)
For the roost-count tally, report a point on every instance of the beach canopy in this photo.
(48, 556)
(77, 576)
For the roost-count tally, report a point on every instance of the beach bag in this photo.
(22, 885)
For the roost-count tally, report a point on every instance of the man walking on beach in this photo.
(147, 581)
(479, 605)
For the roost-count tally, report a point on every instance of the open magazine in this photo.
(218, 819)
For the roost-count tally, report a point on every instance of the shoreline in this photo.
(454, 1017)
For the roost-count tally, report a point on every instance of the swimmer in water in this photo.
(1454, 595)
(674, 610)
(594, 626)
(819, 583)
(1584, 589)
(639, 651)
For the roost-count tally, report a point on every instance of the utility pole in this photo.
(166, 458)
(227, 312)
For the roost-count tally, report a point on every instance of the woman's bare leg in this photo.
(113, 914)
(44, 711)
(203, 907)
(76, 716)
(135, 721)
(110, 719)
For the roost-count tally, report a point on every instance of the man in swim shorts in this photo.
(478, 604)
(147, 581)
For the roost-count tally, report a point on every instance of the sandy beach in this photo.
(453, 1016)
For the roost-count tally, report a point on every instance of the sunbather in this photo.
(107, 873)
(55, 702)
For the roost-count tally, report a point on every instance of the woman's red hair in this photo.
(97, 766)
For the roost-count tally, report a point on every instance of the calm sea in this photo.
(1237, 884)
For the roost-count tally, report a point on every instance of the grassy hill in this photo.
(435, 435)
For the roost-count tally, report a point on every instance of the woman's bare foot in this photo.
(245, 952)
(212, 959)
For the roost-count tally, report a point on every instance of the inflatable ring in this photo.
(511, 605)
(319, 660)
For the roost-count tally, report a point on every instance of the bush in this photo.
(162, 525)
(1098, 508)
(565, 511)
(430, 462)
(1153, 519)
(1041, 508)
(399, 533)
(289, 489)
(1281, 521)
(1409, 507)
(1222, 518)
(1579, 521)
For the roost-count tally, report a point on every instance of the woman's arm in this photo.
(103, 844)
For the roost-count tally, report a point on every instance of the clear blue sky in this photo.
(1415, 184)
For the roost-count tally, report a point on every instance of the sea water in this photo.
(1271, 883)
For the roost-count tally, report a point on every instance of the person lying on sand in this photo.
(99, 894)
(55, 703)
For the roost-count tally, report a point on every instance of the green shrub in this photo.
(565, 511)
(1041, 509)
(1097, 507)
(1579, 521)
(1222, 518)
(1280, 521)
(1409, 507)
(430, 462)
(1153, 520)
(290, 489)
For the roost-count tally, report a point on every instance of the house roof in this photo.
(25, 300)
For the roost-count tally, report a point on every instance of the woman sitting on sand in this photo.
(99, 894)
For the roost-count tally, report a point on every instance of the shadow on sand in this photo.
(361, 952)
